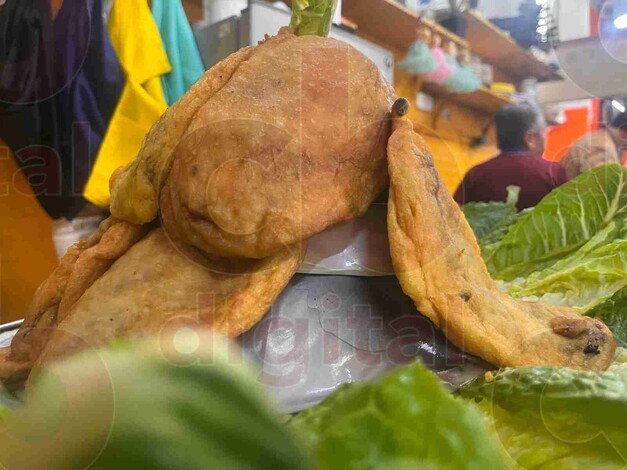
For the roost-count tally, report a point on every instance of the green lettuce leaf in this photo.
(312, 17)
(4, 413)
(613, 313)
(532, 443)
(582, 280)
(619, 366)
(557, 418)
(600, 398)
(406, 420)
(150, 406)
(491, 220)
(562, 223)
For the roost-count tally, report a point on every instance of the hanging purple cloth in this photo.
(27, 112)
(86, 106)
(26, 55)
(59, 84)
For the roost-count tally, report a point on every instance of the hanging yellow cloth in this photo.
(137, 42)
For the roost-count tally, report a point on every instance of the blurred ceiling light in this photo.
(620, 22)
(618, 106)
(617, 9)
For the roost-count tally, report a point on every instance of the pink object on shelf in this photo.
(444, 70)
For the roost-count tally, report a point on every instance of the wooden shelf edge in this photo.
(395, 26)
(442, 31)
(514, 60)
(483, 100)
(391, 23)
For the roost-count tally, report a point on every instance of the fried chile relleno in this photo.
(271, 146)
(439, 265)
(276, 144)
(314, 156)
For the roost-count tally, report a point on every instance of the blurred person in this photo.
(605, 145)
(520, 138)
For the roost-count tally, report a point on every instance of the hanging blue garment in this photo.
(87, 105)
(180, 45)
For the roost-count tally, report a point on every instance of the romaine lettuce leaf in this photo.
(312, 17)
(491, 220)
(155, 405)
(562, 223)
(4, 413)
(552, 417)
(619, 366)
(532, 443)
(406, 420)
(582, 280)
(600, 398)
(613, 313)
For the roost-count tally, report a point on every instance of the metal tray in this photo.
(7, 331)
(368, 323)
(9, 327)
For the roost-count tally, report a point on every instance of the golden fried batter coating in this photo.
(287, 140)
(439, 265)
(81, 266)
(135, 188)
(271, 146)
(156, 286)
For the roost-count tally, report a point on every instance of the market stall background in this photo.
(574, 258)
(453, 125)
